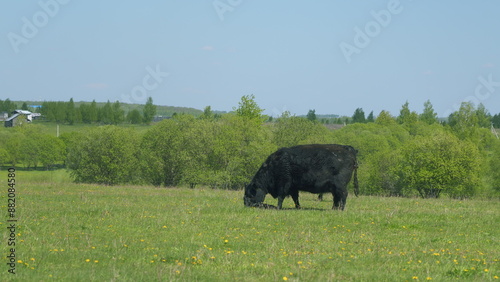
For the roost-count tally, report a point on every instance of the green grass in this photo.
(78, 232)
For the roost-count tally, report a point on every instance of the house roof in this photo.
(22, 112)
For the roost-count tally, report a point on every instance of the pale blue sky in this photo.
(331, 56)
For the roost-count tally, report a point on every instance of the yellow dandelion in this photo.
(96, 261)
(19, 261)
(428, 278)
(486, 270)
(285, 278)
(87, 260)
(415, 278)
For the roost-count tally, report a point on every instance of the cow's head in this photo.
(253, 196)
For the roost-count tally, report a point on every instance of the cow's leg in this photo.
(280, 201)
(295, 197)
(339, 199)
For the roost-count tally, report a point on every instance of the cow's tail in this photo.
(356, 186)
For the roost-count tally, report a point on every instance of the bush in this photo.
(106, 155)
(440, 163)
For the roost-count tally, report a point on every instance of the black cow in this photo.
(312, 168)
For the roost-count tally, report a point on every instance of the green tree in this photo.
(118, 113)
(292, 130)
(24, 106)
(483, 116)
(70, 112)
(106, 113)
(406, 116)
(370, 117)
(106, 155)
(496, 120)
(311, 115)
(163, 152)
(85, 113)
(134, 116)
(93, 112)
(385, 118)
(248, 109)
(207, 113)
(149, 111)
(7, 106)
(60, 111)
(440, 163)
(465, 121)
(358, 116)
(429, 116)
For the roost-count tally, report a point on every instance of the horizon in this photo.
(330, 56)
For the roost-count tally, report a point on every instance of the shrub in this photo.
(106, 155)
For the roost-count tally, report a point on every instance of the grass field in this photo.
(76, 232)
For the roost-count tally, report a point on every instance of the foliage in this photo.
(405, 156)
(440, 163)
(134, 117)
(359, 116)
(7, 105)
(106, 155)
(30, 146)
(219, 153)
(149, 111)
(249, 109)
(428, 116)
(292, 130)
(311, 115)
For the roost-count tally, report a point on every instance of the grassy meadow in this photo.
(81, 232)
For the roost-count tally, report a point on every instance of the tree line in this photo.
(408, 155)
(69, 113)
(113, 113)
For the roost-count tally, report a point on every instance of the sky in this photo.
(331, 56)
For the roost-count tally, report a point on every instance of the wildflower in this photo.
(285, 278)
(415, 278)
(486, 270)
(87, 260)
(428, 278)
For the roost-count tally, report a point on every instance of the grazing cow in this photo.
(313, 168)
